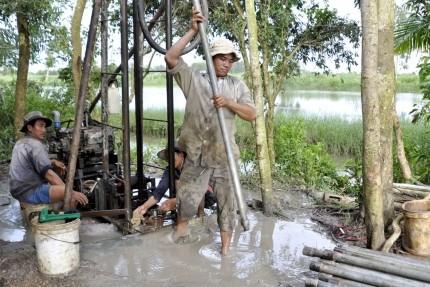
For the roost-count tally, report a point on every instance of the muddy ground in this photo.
(269, 254)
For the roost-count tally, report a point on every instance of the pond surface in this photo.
(346, 105)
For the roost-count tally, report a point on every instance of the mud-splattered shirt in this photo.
(29, 164)
(201, 132)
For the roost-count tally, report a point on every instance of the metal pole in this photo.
(125, 109)
(105, 84)
(363, 275)
(220, 111)
(384, 256)
(118, 69)
(377, 264)
(170, 107)
(81, 104)
(138, 91)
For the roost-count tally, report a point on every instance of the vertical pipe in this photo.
(138, 94)
(104, 88)
(170, 107)
(81, 104)
(125, 108)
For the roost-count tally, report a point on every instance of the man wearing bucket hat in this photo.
(201, 136)
(163, 185)
(32, 178)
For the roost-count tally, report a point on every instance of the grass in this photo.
(306, 81)
(342, 138)
(350, 82)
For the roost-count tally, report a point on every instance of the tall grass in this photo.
(346, 82)
(344, 138)
(341, 137)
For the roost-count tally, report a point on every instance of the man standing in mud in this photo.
(201, 136)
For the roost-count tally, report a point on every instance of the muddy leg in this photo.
(201, 210)
(181, 228)
(225, 241)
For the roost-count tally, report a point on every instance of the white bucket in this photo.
(27, 209)
(57, 246)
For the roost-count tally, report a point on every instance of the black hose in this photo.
(151, 41)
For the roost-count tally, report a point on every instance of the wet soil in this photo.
(269, 254)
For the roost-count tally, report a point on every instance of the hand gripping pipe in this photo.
(231, 162)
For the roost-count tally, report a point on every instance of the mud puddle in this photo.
(268, 254)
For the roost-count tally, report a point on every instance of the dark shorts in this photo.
(193, 186)
(40, 195)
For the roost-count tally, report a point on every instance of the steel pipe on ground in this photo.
(317, 283)
(340, 281)
(362, 275)
(377, 263)
(373, 254)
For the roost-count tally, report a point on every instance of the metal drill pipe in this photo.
(362, 275)
(389, 257)
(377, 264)
(220, 111)
(79, 117)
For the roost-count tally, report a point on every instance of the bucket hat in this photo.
(224, 46)
(163, 154)
(32, 117)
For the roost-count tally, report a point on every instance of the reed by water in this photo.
(340, 137)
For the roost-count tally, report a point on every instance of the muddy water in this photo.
(269, 254)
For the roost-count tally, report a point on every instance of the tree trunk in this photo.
(387, 86)
(77, 45)
(22, 73)
(269, 201)
(403, 161)
(371, 126)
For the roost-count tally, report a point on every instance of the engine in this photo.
(104, 193)
(89, 166)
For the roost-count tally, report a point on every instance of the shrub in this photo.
(299, 162)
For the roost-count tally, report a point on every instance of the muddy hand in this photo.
(142, 209)
(61, 166)
(197, 17)
(220, 101)
(80, 197)
(168, 205)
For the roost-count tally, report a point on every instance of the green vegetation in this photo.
(406, 83)
(307, 149)
(345, 82)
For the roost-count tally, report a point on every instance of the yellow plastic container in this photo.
(416, 237)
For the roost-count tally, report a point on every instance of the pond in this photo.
(346, 105)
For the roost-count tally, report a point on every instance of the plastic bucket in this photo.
(27, 209)
(57, 246)
(416, 237)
